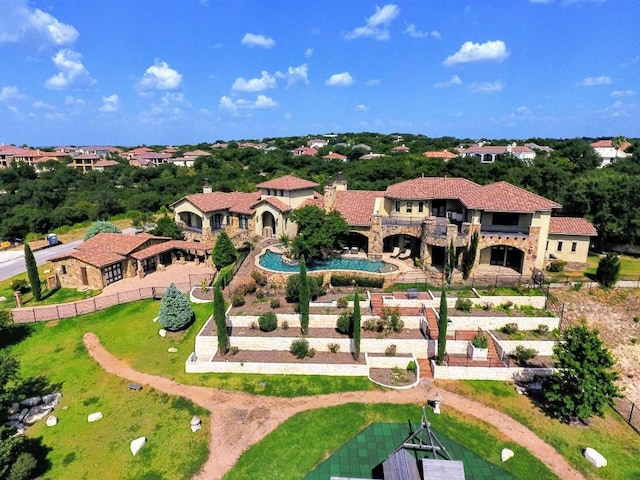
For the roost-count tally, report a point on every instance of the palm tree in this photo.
(617, 143)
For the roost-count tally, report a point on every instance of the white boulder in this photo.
(172, 350)
(31, 401)
(196, 423)
(506, 454)
(162, 332)
(36, 414)
(137, 444)
(595, 457)
(94, 417)
(52, 421)
(155, 319)
(52, 398)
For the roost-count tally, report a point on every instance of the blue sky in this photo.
(127, 72)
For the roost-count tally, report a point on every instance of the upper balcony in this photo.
(402, 221)
(511, 230)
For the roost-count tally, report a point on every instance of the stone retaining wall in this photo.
(315, 321)
(487, 373)
(544, 348)
(494, 323)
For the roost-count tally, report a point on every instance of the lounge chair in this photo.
(395, 253)
(404, 255)
(355, 250)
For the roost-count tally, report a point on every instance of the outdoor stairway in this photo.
(493, 359)
(425, 368)
(432, 321)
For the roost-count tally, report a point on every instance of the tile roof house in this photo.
(84, 161)
(444, 154)
(334, 156)
(491, 153)
(150, 159)
(569, 238)
(608, 153)
(298, 152)
(423, 216)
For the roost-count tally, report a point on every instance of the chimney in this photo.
(340, 184)
(206, 186)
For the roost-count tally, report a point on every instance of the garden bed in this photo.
(294, 332)
(392, 377)
(280, 356)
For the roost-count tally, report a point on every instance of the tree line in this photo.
(60, 196)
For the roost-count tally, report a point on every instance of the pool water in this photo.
(273, 261)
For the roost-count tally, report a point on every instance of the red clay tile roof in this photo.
(105, 163)
(572, 226)
(317, 200)
(334, 156)
(442, 154)
(287, 182)
(356, 206)
(609, 144)
(233, 201)
(87, 156)
(279, 204)
(496, 197)
(170, 245)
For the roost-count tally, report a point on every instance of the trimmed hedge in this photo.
(351, 280)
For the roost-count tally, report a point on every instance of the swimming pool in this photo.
(273, 261)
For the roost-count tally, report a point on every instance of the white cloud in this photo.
(233, 106)
(10, 93)
(265, 82)
(39, 104)
(299, 74)
(476, 52)
(376, 26)
(171, 108)
(70, 100)
(622, 93)
(160, 76)
(72, 73)
(308, 53)
(523, 110)
(361, 108)
(110, 104)
(253, 40)
(486, 87)
(340, 79)
(373, 83)
(265, 103)
(227, 105)
(412, 31)
(594, 81)
(21, 24)
(454, 80)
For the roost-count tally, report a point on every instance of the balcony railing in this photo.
(402, 221)
(504, 229)
(193, 229)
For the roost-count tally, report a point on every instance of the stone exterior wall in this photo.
(73, 277)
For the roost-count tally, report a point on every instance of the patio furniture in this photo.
(404, 255)
(355, 250)
(395, 253)
(345, 250)
(412, 293)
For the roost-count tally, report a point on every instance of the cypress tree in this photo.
(224, 253)
(357, 320)
(470, 257)
(221, 320)
(442, 327)
(304, 297)
(32, 272)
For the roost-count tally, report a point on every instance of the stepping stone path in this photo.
(137, 444)
(94, 417)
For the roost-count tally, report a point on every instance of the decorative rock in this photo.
(15, 408)
(94, 417)
(52, 398)
(31, 401)
(36, 414)
(172, 350)
(3, 299)
(52, 421)
(156, 319)
(23, 413)
(506, 454)
(595, 457)
(196, 423)
(137, 444)
(162, 332)
(13, 424)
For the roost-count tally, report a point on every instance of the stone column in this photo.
(18, 296)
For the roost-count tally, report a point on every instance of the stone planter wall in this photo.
(315, 320)
(486, 373)
(494, 323)
(475, 353)
(544, 348)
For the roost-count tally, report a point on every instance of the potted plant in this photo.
(478, 349)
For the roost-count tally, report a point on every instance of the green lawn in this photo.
(305, 440)
(611, 436)
(78, 449)
(629, 270)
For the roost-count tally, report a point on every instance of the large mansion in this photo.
(423, 216)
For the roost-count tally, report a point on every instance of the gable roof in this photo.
(440, 154)
(356, 206)
(288, 182)
(334, 156)
(572, 226)
(504, 197)
(238, 202)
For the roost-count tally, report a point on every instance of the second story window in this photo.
(559, 246)
(420, 207)
(505, 219)
(574, 247)
(409, 207)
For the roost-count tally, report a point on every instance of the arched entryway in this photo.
(502, 256)
(403, 242)
(268, 225)
(355, 240)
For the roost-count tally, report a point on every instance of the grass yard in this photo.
(305, 440)
(78, 449)
(611, 436)
(629, 270)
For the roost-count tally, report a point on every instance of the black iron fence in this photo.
(628, 411)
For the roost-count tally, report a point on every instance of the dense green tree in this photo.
(175, 310)
(305, 297)
(221, 320)
(32, 272)
(101, 227)
(224, 253)
(319, 232)
(167, 227)
(585, 380)
(357, 326)
(443, 323)
(292, 291)
(608, 270)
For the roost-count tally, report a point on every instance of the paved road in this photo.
(12, 263)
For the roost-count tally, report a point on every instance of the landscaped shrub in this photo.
(351, 280)
(234, 350)
(224, 253)
(509, 328)
(285, 325)
(20, 285)
(333, 347)
(250, 287)
(523, 355)
(486, 306)
(292, 293)
(608, 270)
(393, 322)
(480, 340)
(275, 303)
(175, 310)
(506, 306)
(373, 325)
(464, 304)
(390, 351)
(311, 353)
(299, 348)
(259, 277)
(343, 302)
(260, 294)
(412, 367)
(542, 329)
(344, 323)
(268, 322)
(556, 266)
(101, 227)
(238, 299)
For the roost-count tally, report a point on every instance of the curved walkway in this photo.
(229, 410)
